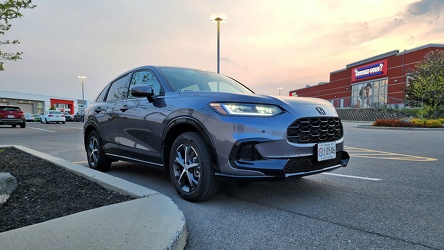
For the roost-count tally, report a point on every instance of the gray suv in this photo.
(204, 127)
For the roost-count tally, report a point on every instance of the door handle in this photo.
(124, 108)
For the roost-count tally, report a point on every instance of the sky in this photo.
(270, 46)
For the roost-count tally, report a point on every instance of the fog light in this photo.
(248, 152)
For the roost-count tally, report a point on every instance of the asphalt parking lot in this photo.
(389, 197)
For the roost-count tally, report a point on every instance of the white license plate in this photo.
(10, 116)
(326, 151)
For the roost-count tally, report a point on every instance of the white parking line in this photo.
(355, 177)
(74, 127)
(42, 129)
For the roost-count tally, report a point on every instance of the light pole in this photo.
(218, 20)
(279, 89)
(83, 93)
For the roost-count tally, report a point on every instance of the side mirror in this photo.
(143, 91)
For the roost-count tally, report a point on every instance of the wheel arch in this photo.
(179, 126)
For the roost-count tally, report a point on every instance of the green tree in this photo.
(9, 10)
(426, 83)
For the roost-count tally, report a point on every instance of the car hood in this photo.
(306, 106)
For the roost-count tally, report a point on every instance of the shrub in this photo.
(415, 122)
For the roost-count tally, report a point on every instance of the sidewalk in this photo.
(152, 221)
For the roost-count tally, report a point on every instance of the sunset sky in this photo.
(264, 44)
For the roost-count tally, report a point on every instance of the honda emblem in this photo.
(321, 111)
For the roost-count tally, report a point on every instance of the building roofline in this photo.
(437, 45)
(374, 58)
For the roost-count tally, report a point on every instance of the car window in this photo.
(181, 79)
(10, 108)
(148, 78)
(102, 95)
(118, 89)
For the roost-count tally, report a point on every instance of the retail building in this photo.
(378, 81)
(37, 104)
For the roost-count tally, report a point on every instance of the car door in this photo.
(139, 122)
(106, 112)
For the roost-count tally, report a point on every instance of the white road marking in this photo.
(42, 129)
(355, 177)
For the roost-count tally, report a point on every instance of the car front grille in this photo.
(309, 163)
(315, 129)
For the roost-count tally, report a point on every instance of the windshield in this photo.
(181, 79)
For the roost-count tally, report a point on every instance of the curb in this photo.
(151, 221)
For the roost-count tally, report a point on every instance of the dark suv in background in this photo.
(12, 115)
(203, 127)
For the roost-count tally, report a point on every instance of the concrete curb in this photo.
(398, 128)
(152, 221)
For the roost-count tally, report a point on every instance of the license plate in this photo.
(10, 116)
(326, 151)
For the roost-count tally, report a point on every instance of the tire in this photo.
(23, 125)
(63, 122)
(191, 169)
(14, 126)
(96, 157)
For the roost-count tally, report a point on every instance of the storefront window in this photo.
(369, 94)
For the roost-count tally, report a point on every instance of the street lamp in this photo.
(218, 20)
(83, 95)
(279, 89)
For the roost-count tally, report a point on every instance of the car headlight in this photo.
(245, 109)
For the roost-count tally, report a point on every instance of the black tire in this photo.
(23, 125)
(14, 125)
(96, 157)
(63, 122)
(192, 183)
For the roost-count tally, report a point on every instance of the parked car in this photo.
(79, 116)
(68, 116)
(12, 115)
(204, 127)
(52, 116)
(29, 117)
(37, 117)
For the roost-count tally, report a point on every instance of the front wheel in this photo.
(23, 125)
(96, 157)
(191, 169)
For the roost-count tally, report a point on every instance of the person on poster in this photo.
(367, 96)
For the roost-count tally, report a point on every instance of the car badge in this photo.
(321, 110)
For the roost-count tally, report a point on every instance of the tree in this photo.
(9, 10)
(426, 83)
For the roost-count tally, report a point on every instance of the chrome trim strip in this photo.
(132, 159)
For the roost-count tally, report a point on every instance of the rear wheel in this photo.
(23, 125)
(96, 157)
(191, 169)
(14, 125)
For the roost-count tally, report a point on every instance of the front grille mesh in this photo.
(315, 129)
(309, 163)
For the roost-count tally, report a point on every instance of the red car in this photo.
(12, 115)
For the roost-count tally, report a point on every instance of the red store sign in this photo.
(370, 70)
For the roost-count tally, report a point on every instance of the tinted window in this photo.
(102, 95)
(10, 108)
(147, 78)
(118, 89)
(181, 79)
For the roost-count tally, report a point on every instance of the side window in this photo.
(146, 77)
(119, 89)
(102, 95)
